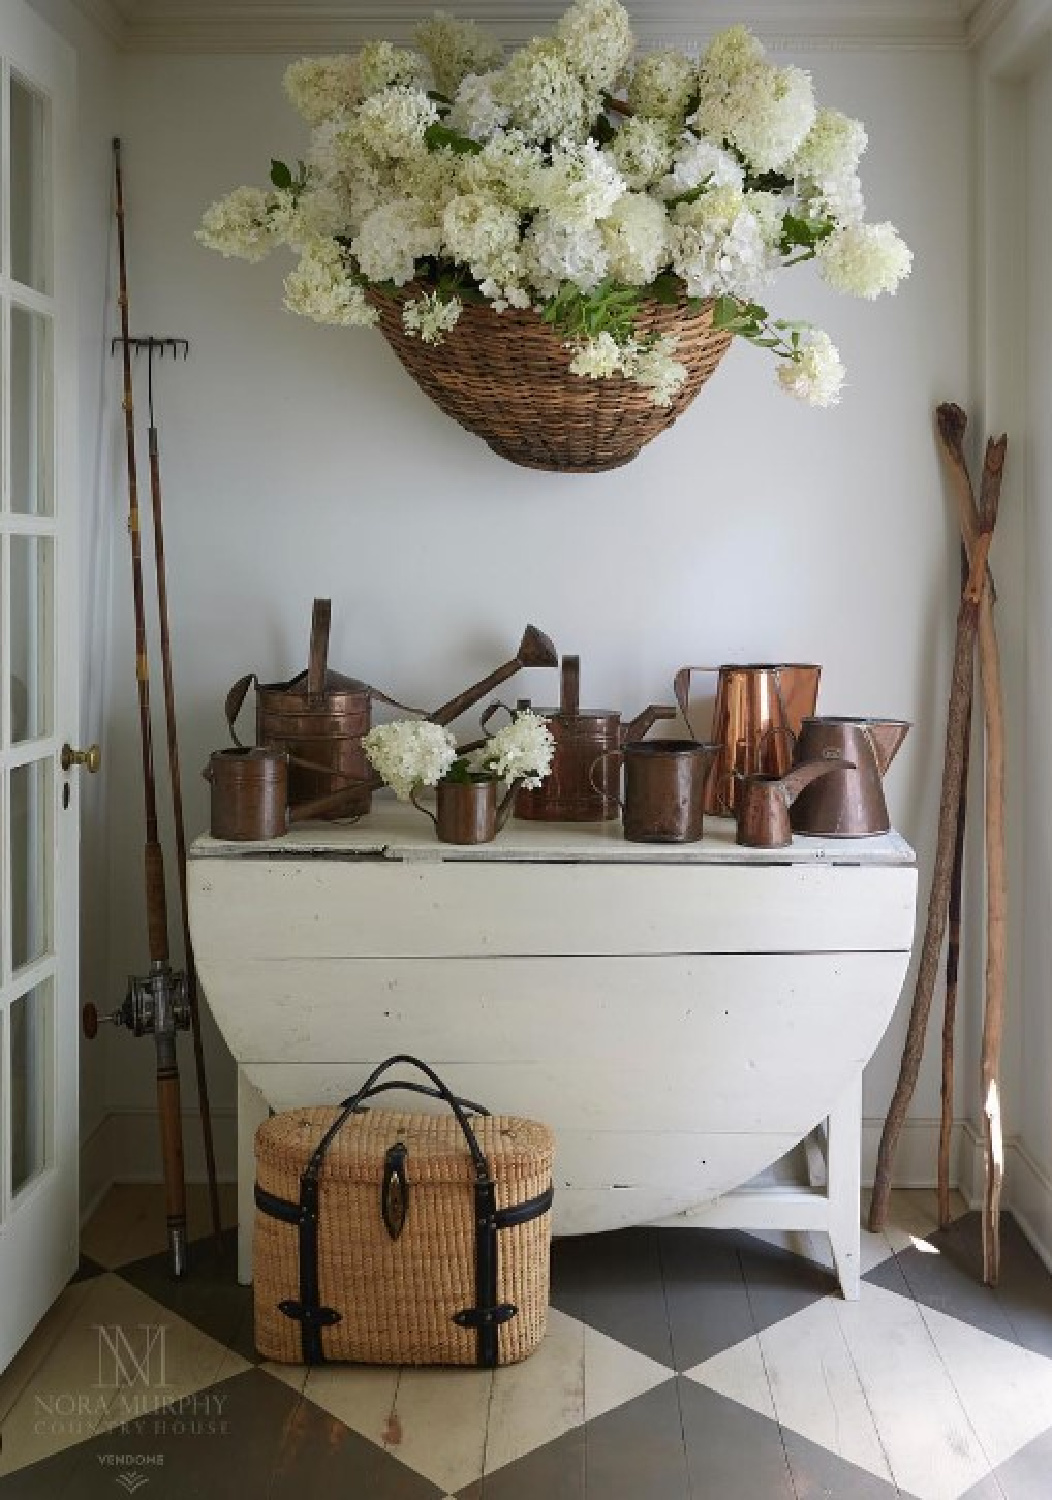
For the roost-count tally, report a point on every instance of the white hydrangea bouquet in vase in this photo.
(560, 245)
(410, 754)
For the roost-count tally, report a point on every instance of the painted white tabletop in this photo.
(394, 830)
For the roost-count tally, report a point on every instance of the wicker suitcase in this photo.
(399, 1238)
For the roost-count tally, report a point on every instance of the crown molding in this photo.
(110, 16)
(280, 26)
(1013, 25)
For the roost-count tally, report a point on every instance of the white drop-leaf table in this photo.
(682, 1015)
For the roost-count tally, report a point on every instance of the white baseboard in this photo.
(124, 1147)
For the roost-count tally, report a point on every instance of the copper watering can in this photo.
(850, 803)
(568, 794)
(319, 718)
(467, 812)
(764, 802)
(249, 798)
(756, 718)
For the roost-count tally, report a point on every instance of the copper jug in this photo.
(764, 803)
(568, 794)
(850, 803)
(755, 721)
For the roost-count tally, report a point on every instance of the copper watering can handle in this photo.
(570, 689)
(681, 686)
(233, 704)
(591, 776)
(421, 808)
(318, 659)
(497, 703)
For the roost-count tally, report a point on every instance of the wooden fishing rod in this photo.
(153, 346)
(156, 1004)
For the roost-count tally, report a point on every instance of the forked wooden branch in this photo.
(957, 724)
(952, 423)
(953, 960)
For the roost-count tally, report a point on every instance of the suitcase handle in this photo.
(370, 1087)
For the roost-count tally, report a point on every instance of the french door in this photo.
(39, 836)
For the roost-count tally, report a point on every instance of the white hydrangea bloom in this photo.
(321, 287)
(503, 297)
(476, 112)
(865, 259)
(718, 247)
(838, 198)
(832, 147)
(544, 96)
(582, 184)
(508, 167)
(654, 368)
(522, 751)
(642, 151)
(597, 358)
(769, 210)
(597, 36)
(635, 235)
(393, 237)
(239, 224)
(381, 65)
(339, 159)
(555, 251)
(431, 317)
(323, 88)
(745, 102)
(817, 374)
(456, 48)
(481, 232)
(301, 222)
(698, 161)
(662, 85)
(432, 176)
(408, 753)
(392, 123)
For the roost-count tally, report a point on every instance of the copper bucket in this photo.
(756, 720)
(664, 790)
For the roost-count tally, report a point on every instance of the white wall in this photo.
(1035, 1113)
(98, 81)
(300, 460)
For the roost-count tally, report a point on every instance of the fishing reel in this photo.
(157, 1005)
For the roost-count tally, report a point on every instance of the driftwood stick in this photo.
(974, 522)
(938, 908)
(953, 956)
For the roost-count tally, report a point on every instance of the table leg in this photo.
(845, 1211)
(252, 1110)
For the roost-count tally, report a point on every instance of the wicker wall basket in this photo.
(506, 377)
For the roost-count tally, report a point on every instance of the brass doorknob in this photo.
(90, 759)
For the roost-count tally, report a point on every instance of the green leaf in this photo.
(602, 131)
(280, 175)
(727, 313)
(436, 136)
(666, 288)
(691, 195)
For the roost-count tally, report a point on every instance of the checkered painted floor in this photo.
(677, 1364)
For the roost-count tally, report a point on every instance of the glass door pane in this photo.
(29, 1028)
(30, 632)
(32, 469)
(32, 798)
(30, 230)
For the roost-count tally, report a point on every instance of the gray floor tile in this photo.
(638, 1450)
(779, 1283)
(1027, 1476)
(209, 1297)
(613, 1282)
(554, 1472)
(821, 1475)
(705, 1292)
(732, 1453)
(1019, 1308)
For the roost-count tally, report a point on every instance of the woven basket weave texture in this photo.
(397, 1297)
(506, 377)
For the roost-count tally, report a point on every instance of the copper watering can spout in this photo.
(887, 736)
(764, 801)
(636, 728)
(793, 783)
(535, 650)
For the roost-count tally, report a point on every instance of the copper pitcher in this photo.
(850, 803)
(755, 721)
(664, 789)
(764, 803)
(467, 812)
(568, 794)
